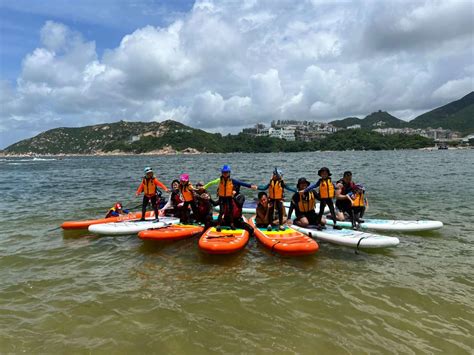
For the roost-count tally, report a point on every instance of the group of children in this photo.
(184, 198)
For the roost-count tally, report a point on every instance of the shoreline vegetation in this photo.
(171, 152)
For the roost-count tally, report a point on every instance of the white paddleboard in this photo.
(250, 207)
(131, 227)
(392, 225)
(350, 238)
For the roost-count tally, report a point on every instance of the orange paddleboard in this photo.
(287, 242)
(173, 232)
(86, 223)
(224, 242)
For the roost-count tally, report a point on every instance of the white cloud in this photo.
(454, 89)
(230, 64)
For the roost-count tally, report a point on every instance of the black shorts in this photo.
(344, 206)
(311, 216)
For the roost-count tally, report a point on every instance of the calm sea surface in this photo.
(63, 292)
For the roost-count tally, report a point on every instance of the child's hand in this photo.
(253, 187)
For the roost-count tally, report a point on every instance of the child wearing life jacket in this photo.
(276, 188)
(116, 211)
(148, 187)
(226, 192)
(174, 205)
(204, 204)
(359, 203)
(344, 188)
(187, 193)
(326, 194)
(304, 204)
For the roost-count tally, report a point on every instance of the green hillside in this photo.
(457, 116)
(380, 119)
(141, 137)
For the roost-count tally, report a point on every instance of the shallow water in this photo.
(70, 291)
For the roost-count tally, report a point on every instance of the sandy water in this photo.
(74, 292)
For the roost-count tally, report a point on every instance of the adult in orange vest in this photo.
(148, 187)
(276, 188)
(326, 194)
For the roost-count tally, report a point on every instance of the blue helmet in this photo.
(147, 170)
(225, 169)
(278, 172)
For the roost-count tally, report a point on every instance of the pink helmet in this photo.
(184, 177)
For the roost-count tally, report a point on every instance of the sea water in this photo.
(63, 292)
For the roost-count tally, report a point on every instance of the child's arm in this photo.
(244, 184)
(263, 187)
(140, 189)
(213, 182)
(160, 184)
(286, 187)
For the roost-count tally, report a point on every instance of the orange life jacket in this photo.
(359, 200)
(149, 187)
(186, 192)
(275, 190)
(307, 201)
(226, 187)
(326, 188)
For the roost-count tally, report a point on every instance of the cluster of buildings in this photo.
(291, 130)
(308, 131)
(437, 134)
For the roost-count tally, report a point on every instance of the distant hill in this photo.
(120, 135)
(142, 137)
(457, 116)
(378, 119)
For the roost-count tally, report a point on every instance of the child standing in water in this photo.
(326, 194)
(148, 187)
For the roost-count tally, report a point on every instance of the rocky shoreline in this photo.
(167, 150)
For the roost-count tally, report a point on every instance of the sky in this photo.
(224, 65)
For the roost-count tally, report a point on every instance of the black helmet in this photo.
(324, 169)
(302, 180)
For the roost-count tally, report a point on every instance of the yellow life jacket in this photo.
(226, 187)
(359, 200)
(326, 188)
(307, 201)
(186, 192)
(275, 190)
(149, 187)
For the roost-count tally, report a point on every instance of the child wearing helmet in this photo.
(187, 193)
(276, 188)
(116, 211)
(148, 187)
(326, 194)
(226, 192)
